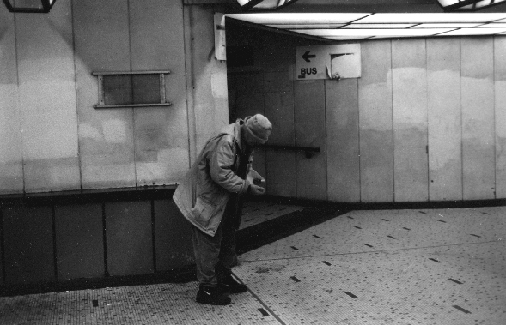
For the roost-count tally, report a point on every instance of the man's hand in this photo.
(254, 177)
(256, 190)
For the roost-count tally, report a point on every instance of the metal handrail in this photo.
(309, 151)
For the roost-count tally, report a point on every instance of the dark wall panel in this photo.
(246, 94)
(1, 255)
(247, 99)
(129, 238)
(79, 241)
(173, 246)
(28, 244)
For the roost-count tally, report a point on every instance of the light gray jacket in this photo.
(205, 190)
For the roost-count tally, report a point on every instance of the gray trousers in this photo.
(215, 256)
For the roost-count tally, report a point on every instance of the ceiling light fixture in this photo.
(346, 26)
(264, 4)
(29, 6)
(467, 5)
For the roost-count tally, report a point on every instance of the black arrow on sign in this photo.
(306, 56)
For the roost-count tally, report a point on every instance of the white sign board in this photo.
(328, 62)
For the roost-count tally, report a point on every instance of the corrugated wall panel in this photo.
(375, 115)
(410, 120)
(478, 123)
(173, 246)
(48, 102)
(129, 238)
(161, 134)
(343, 166)
(11, 146)
(500, 114)
(79, 241)
(310, 132)
(28, 242)
(102, 43)
(443, 80)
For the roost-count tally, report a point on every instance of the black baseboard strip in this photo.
(313, 213)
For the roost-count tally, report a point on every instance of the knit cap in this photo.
(259, 126)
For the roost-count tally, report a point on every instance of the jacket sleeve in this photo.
(221, 163)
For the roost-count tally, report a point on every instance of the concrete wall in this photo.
(130, 146)
(53, 138)
(424, 122)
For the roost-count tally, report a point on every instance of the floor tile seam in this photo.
(367, 252)
(269, 309)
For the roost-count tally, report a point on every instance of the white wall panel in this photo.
(500, 114)
(443, 81)
(11, 146)
(310, 132)
(478, 101)
(343, 166)
(209, 77)
(410, 120)
(375, 116)
(48, 100)
(161, 144)
(106, 143)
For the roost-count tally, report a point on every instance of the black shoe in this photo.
(231, 285)
(212, 296)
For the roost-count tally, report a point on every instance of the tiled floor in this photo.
(256, 212)
(444, 266)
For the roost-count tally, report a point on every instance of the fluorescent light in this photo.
(342, 26)
(454, 4)
(467, 4)
(449, 25)
(432, 18)
(415, 32)
(306, 26)
(264, 4)
(480, 4)
(300, 18)
(476, 31)
(493, 25)
(29, 6)
(379, 26)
